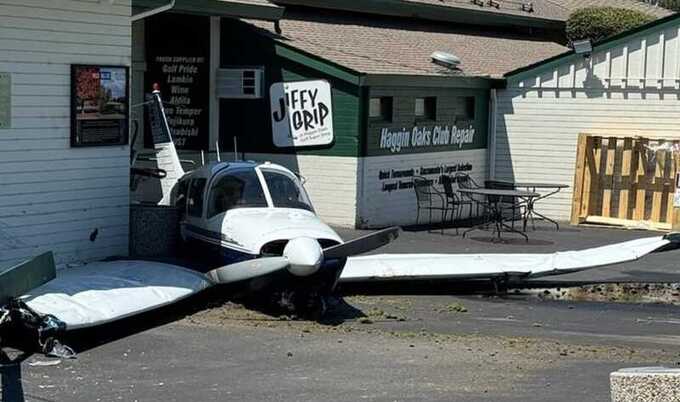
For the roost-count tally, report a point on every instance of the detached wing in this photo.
(102, 292)
(489, 266)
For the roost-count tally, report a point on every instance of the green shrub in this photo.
(597, 23)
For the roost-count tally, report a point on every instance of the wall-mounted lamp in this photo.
(583, 47)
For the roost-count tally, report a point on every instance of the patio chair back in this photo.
(422, 187)
(500, 185)
(465, 181)
(447, 182)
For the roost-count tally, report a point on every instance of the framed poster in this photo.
(100, 105)
(301, 113)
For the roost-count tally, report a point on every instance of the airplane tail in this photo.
(166, 153)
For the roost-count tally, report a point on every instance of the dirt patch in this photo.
(392, 320)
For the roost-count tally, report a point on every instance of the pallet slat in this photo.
(628, 181)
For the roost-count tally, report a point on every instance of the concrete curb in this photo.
(645, 384)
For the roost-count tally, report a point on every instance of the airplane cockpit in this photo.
(247, 207)
(218, 188)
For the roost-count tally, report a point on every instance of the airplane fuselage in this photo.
(239, 211)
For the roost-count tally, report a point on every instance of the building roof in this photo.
(558, 10)
(548, 14)
(387, 46)
(670, 20)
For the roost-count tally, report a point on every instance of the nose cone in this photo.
(304, 255)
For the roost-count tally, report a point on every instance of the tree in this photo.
(597, 23)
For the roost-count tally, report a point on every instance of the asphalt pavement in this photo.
(379, 347)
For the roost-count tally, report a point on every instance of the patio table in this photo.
(531, 203)
(495, 198)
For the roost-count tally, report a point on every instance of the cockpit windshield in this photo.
(285, 190)
(237, 189)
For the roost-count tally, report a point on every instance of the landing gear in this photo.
(311, 306)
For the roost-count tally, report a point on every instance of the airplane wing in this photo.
(101, 292)
(385, 267)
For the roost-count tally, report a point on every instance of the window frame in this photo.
(429, 108)
(468, 111)
(386, 108)
(190, 197)
(265, 185)
(216, 180)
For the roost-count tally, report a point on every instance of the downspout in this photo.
(493, 108)
(153, 11)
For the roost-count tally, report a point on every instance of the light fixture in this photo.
(583, 47)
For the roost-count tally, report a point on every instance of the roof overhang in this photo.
(662, 23)
(433, 81)
(432, 12)
(255, 9)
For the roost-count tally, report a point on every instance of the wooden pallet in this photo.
(626, 181)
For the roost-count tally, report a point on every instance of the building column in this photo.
(214, 105)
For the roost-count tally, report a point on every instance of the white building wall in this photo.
(381, 206)
(628, 88)
(52, 196)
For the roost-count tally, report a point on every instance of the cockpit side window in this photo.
(195, 199)
(181, 196)
(285, 191)
(237, 189)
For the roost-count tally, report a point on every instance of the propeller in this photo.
(362, 244)
(302, 256)
(249, 269)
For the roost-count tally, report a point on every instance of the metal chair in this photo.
(453, 200)
(515, 208)
(429, 198)
(466, 182)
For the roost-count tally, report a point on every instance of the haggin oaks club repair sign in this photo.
(301, 113)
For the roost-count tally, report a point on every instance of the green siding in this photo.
(448, 105)
(249, 120)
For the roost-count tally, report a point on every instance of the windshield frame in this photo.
(261, 170)
(264, 187)
(217, 178)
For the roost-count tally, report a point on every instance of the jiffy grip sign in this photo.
(301, 113)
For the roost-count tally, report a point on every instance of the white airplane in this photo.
(253, 223)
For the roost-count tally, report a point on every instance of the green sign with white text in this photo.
(5, 100)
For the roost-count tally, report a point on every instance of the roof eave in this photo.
(432, 12)
(218, 8)
(434, 81)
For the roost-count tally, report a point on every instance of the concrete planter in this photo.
(645, 384)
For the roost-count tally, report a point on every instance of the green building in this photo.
(412, 83)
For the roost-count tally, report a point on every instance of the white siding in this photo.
(627, 88)
(52, 196)
(379, 208)
(331, 182)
